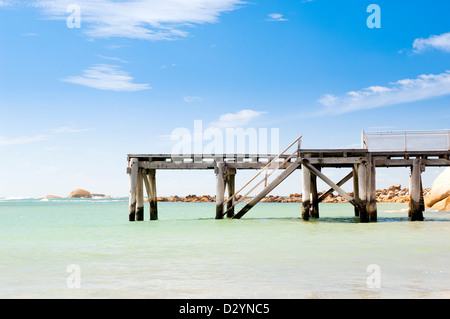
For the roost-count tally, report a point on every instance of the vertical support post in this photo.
(371, 192)
(134, 163)
(415, 191)
(152, 199)
(314, 196)
(220, 189)
(362, 183)
(230, 181)
(306, 192)
(410, 196)
(422, 201)
(139, 196)
(356, 188)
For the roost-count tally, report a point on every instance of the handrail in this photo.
(265, 178)
(266, 167)
(407, 140)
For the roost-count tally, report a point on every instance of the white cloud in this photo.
(437, 42)
(150, 19)
(238, 119)
(403, 91)
(106, 77)
(4, 141)
(276, 17)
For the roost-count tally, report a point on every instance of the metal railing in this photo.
(432, 140)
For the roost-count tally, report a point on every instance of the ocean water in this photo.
(80, 248)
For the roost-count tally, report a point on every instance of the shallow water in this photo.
(271, 253)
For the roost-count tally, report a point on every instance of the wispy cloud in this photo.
(69, 129)
(165, 66)
(107, 77)
(4, 141)
(403, 91)
(190, 99)
(150, 19)
(276, 17)
(112, 58)
(238, 119)
(436, 42)
(30, 34)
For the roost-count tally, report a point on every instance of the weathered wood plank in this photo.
(329, 182)
(340, 183)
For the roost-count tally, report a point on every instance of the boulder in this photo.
(443, 205)
(440, 189)
(394, 188)
(80, 193)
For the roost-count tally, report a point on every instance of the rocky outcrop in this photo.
(80, 193)
(393, 194)
(439, 196)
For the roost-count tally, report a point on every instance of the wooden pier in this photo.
(363, 163)
(142, 169)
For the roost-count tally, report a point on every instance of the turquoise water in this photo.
(271, 253)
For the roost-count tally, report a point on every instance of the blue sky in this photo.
(75, 101)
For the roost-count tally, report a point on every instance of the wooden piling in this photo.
(362, 183)
(422, 199)
(152, 199)
(133, 182)
(409, 195)
(371, 191)
(220, 189)
(140, 196)
(416, 213)
(314, 212)
(306, 192)
(230, 181)
(356, 189)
